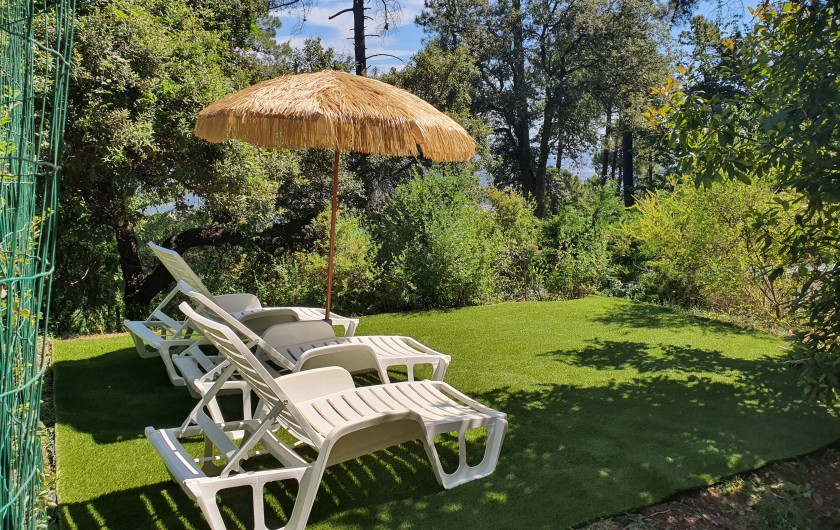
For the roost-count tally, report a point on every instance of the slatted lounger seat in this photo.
(295, 340)
(322, 408)
(164, 335)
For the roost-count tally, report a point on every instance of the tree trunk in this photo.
(545, 150)
(614, 164)
(605, 155)
(132, 269)
(524, 162)
(359, 48)
(522, 124)
(627, 168)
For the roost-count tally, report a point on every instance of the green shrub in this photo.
(518, 263)
(355, 274)
(705, 249)
(437, 244)
(273, 277)
(576, 239)
(299, 278)
(87, 287)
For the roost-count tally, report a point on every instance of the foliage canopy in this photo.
(784, 125)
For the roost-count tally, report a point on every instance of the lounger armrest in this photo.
(236, 302)
(349, 324)
(351, 357)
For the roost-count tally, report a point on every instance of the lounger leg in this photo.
(259, 508)
(440, 369)
(307, 492)
(465, 473)
(437, 372)
(211, 512)
(209, 507)
(171, 371)
(310, 480)
(246, 404)
(207, 502)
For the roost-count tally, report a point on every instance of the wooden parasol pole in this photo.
(333, 216)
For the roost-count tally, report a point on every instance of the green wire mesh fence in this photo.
(35, 42)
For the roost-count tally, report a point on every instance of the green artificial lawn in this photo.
(612, 406)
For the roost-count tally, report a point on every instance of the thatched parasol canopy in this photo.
(338, 111)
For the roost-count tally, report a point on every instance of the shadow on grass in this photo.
(572, 453)
(165, 505)
(114, 396)
(640, 315)
(760, 381)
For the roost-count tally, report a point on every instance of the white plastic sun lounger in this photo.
(162, 335)
(302, 346)
(322, 408)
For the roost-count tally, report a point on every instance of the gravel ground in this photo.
(796, 494)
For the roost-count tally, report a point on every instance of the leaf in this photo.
(784, 203)
(742, 176)
(775, 120)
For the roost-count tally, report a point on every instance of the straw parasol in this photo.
(337, 111)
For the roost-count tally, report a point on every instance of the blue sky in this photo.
(403, 40)
(406, 38)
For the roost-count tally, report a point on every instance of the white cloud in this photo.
(402, 41)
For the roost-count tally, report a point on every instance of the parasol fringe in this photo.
(336, 110)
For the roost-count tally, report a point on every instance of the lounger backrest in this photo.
(178, 268)
(251, 371)
(307, 332)
(208, 308)
(235, 351)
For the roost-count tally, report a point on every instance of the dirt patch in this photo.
(803, 493)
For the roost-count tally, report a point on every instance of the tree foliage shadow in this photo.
(765, 376)
(352, 483)
(114, 396)
(647, 316)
